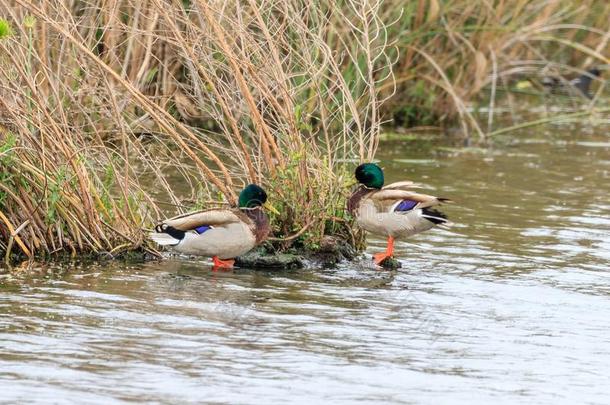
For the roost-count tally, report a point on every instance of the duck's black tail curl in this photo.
(170, 230)
(434, 216)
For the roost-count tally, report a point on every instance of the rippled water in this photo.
(510, 306)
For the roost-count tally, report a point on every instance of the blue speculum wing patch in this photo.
(203, 228)
(405, 205)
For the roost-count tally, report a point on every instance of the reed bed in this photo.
(115, 114)
(455, 54)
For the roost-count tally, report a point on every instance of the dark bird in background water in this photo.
(579, 86)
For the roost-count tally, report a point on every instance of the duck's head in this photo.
(370, 175)
(252, 196)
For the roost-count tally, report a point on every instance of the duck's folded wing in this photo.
(402, 185)
(390, 198)
(194, 220)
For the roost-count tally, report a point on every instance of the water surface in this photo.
(511, 306)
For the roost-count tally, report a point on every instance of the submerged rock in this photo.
(332, 251)
(261, 259)
(391, 264)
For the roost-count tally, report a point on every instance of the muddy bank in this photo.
(332, 251)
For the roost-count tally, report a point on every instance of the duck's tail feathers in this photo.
(446, 225)
(436, 217)
(445, 200)
(164, 239)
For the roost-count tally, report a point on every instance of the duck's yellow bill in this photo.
(271, 208)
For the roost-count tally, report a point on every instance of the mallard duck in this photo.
(392, 211)
(221, 234)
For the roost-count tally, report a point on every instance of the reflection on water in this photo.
(510, 305)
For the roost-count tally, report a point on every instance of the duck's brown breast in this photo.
(259, 223)
(354, 200)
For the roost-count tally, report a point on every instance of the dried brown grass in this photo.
(455, 53)
(118, 113)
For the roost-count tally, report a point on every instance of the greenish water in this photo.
(511, 306)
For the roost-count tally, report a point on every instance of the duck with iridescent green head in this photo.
(221, 234)
(393, 211)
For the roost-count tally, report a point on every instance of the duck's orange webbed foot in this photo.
(222, 264)
(380, 257)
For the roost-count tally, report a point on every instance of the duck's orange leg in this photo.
(222, 264)
(389, 252)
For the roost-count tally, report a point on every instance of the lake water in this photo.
(510, 306)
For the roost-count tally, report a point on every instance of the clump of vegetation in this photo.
(115, 116)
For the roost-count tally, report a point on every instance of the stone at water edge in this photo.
(390, 263)
(332, 251)
(260, 259)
